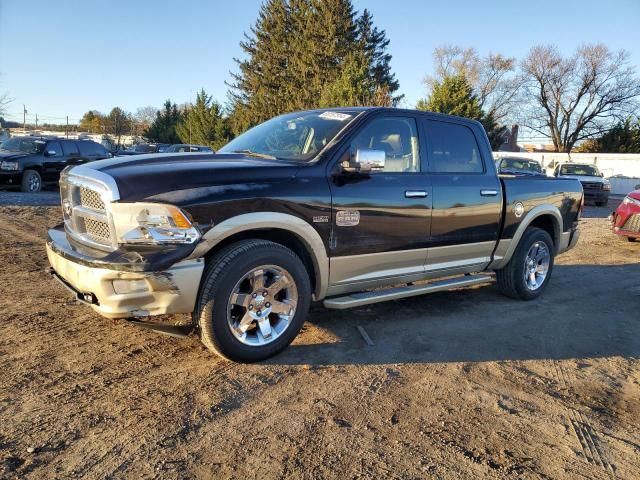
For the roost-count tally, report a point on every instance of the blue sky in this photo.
(65, 57)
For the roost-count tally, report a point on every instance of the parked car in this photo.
(626, 219)
(143, 148)
(596, 187)
(320, 205)
(181, 148)
(31, 162)
(518, 166)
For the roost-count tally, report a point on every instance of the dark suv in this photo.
(31, 162)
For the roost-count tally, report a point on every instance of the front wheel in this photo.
(631, 239)
(254, 299)
(31, 181)
(528, 272)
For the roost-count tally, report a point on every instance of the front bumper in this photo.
(626, 221)
(597, 196)
(10, 177)
(135, 293)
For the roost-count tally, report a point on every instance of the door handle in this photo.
(488, 193)
(415, 193)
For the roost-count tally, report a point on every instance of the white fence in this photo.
(622, 169)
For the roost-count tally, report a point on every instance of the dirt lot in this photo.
(463, 384)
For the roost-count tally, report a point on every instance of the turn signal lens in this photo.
(179, 219)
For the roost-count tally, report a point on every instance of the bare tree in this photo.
(571, 99)
(4, 101)
(492, 77)
(146, 115)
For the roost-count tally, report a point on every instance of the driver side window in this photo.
(397, 137)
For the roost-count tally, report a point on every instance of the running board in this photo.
(367, 298)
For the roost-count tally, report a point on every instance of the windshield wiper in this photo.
(251, 153)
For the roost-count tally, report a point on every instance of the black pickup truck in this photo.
(31, 162)
(347, 206)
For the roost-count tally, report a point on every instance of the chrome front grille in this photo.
(96, 229)
(85, 207)
(91, 199)
(591, 186)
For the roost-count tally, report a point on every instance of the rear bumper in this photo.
(568, 240)
(134, 293)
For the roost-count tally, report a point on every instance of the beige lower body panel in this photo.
(378, 270)
(172, 291)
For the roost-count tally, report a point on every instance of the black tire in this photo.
(511, 278)
(600, 204)
(631, 239)
(31, 181)
(221, 275)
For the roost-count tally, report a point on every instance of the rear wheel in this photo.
(253, 301)
(631, 239)
(31, 181)
(528, 272)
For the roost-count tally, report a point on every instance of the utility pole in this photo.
(66, 129)
(24, 118)
(36, 121)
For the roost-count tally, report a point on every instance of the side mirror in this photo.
(365, 161)
(51, 153)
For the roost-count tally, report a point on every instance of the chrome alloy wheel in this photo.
(262, 305)
(536, 265)
(34, 183)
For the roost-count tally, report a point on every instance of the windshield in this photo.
(587, 170)
(26, 145)
(521, 165)
(294, 136)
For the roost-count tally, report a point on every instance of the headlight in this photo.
(11, 166)
(606, 185)
(152, 223)
(631, 201)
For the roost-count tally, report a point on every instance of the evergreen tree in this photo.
(203, 123)
(454, 96)
(302, 54)
(624, 137)
(374, 42)
(92, 122)
(163, 128)
(258, 91)
(354, 86)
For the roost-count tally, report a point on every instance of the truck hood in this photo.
(7, 155)
(585, 178)
(180, 178)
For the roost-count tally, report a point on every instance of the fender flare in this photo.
(505, 249)
(273, 220)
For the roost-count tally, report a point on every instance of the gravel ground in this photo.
(464, 384)
(48, 197)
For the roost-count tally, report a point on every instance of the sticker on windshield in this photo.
(335, 116)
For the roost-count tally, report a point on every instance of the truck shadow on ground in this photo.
(587, 311)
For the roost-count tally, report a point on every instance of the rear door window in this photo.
(452, 148)
(91, 149)
(69, 148)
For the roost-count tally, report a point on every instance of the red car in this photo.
(626, 218)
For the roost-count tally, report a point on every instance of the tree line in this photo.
(303, 54)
